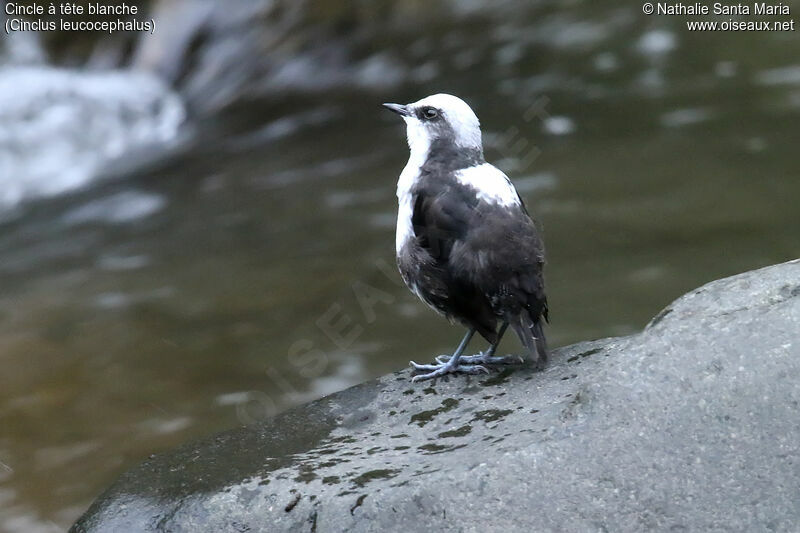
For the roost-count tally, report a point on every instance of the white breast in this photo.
(405, 230)
(492, 185)
(419, 146)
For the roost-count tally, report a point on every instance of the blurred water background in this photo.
(188, 219)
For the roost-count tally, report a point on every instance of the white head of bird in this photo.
(441, 118)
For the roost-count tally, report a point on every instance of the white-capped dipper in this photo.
(465, 243)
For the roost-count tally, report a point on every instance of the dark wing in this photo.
(442, 219)
(502, 254)
(511, 273)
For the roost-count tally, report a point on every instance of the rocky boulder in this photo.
(691, 425)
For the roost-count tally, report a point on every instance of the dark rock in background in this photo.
(691, 425)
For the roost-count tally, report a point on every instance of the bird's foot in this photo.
(440, 369)
(484, 359)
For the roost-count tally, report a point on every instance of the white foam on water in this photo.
(605, 62)
(123, 300)
(726, 69)
(542, 181)
(62, 128)
(685, 117)
(789, 75)
(656, 43)
(123, 262)
(119, 208)
(558, 125)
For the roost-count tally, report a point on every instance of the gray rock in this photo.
(691, 425)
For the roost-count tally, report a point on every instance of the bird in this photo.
(465, 242)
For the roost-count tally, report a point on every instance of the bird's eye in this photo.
(430, 113)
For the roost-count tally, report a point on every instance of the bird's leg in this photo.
(451, 366)
(487, 357)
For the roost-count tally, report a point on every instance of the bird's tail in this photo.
(531, 335)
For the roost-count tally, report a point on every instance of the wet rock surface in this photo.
(689, 426)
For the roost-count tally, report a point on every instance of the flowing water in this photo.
(250, 268)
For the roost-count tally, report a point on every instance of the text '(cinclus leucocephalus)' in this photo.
(465, 243)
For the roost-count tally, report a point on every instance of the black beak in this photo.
(400, 109)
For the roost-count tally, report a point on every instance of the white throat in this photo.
(419, 145)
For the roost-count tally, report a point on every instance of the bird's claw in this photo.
(441, 369)
(483, 359)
